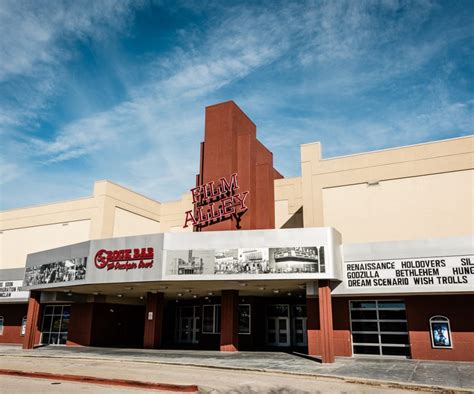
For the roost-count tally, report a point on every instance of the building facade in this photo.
(367, 254)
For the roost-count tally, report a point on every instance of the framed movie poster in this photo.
(440, 332)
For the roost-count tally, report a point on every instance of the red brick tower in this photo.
(231, 146)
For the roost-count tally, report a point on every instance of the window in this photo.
(1, 325)
(440, 332)
(211, 319)
(55, 324)
(278, 310)
(244, 319)
(23, 327)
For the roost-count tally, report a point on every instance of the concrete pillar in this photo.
(32, 334)
(325, 322)
(153, 321)
(229, 321)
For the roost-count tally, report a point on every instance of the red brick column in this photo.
(230, 321)
(153, 320)
(312, 326)
(32, 334)
(325, 322)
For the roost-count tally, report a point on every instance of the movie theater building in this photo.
(369, 254)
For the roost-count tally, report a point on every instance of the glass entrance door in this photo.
(278, 331)
(186, 330)
(300, 333)
(278, 325)
(189, 324)
(298, 325)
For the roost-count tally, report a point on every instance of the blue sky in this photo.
(116, 90)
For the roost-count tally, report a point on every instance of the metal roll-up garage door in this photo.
(379, 327)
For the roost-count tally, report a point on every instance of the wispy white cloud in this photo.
(284, 64)
(36, 33)
(8, 171)
(37, 40)
(338, 137)
(165, 113)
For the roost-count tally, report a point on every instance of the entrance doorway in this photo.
(299, 331)
(189, 323)
(278, 325)
(118, 325)
(300, 335)
(286, 325)
(278, 331)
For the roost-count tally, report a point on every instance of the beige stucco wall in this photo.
(419, 191)
(438, 205)
(173, 214)
(37, 228)
(15, 244)
(288, 199)
(127, 223)
(336, 191)
(66, 211)
(111, 211)
(110, 197)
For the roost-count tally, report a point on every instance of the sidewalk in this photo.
(406, 372)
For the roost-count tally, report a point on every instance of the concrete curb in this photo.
(348, 379)
(177, 388)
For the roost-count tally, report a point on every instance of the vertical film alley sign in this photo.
(215, 202)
